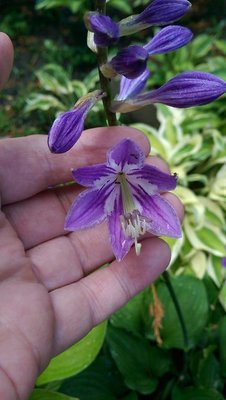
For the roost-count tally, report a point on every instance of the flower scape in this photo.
(126, 191)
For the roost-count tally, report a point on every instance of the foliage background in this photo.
(143, 354)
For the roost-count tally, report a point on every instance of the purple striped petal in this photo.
(130, 62)
(161, 12)
(184, 90)
(162, 217)
(170, 38)
(132, 87)
(125, 153)
(119, 242)
(88, 209)
(68, 127)
(158, 12)
(188, 89)
(93, 175)
(154, 176)
(106, 31)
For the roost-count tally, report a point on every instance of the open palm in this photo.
(52, 292)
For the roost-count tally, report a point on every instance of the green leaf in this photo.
(201, 45)
(42, 394)
(196, 394)
(100, 381)
(222, 347)
(192, 297)
(132, 355)
(76, 358)
(129, 317)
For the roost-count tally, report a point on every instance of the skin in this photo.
(51, 290)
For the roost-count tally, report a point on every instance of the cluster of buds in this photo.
(184, 90)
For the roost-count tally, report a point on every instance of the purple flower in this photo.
(68, 126)
(106, 31)
(184, 90)
(132, 87)
(168, 39)
(127, 193)
(223, 262)
(132, 61)
(158, 12)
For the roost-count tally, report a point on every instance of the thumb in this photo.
(6, 58)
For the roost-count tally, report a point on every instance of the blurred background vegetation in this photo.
(143, 353)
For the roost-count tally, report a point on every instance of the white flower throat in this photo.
(132, 222)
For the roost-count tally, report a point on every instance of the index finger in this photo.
(28, 167)
(6, 59)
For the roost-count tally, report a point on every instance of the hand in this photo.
(51, 292)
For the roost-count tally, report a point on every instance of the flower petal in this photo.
(158, 12)
(187, 89)
(154, 176)
(162, 217)
(93, 175)
(184, 90)
(119, 242)
(132, 87)
(125, 153)
(130, 62)
(170, 38)
(88, 209)
(68, 127)
(106, 31)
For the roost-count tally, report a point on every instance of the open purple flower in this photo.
(127, 193)
(187, 89)
(158, 12)
(68, 126)
(132, 61)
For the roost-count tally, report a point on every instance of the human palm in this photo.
(52, 292)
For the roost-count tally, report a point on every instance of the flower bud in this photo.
(130, 62)
(184, 90)
(106, 31)
(158, 12)
(68, 126)
(168, 39)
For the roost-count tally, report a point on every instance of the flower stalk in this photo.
(102, 56)
(174, 298)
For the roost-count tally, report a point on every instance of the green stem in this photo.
(102, 56)
(169, 285)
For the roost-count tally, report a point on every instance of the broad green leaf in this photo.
(100, 381)
(196, 394)
(43, 102)
(76, 358)
(132, 355)
(129, 317)
(209, 373)
(42, 394)
(208, 238)
(222, 347)
(192, 297)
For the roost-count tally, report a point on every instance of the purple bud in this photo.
(223, 262)
(158, 12)
(68, 126)
(170, 38)
(163, 12)
(106, 31)
(130, 62)
(188, 89)
(184, 90)
(132, 87)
